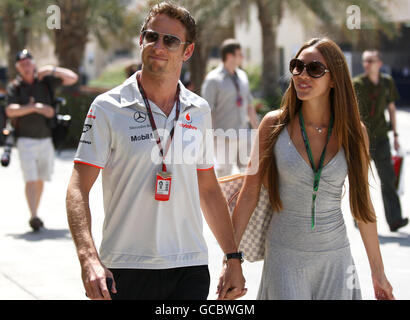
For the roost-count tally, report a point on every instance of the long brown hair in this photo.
(347, 129)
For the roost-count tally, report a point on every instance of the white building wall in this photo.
(250, 38)
(290, 36)
(400, 10)
(292, 33)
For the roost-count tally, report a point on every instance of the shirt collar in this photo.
(369, 82)
(225, 71)
(131, 95)
(20, 80)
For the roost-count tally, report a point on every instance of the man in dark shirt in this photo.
(376, 91)
(29, 105)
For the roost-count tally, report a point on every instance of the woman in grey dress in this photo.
(306, 150)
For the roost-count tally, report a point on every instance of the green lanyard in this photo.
(317, 171)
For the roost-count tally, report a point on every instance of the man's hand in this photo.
(44, 109)
(45, 71)
(231, 282)
(93, 275)
(396, 144)
(216, 213)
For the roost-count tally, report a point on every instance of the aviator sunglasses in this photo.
(171, 42)
(315, 69)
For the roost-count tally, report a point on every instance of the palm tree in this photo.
(214, 23)
(80, 18)
(332, 15)
(18, 19)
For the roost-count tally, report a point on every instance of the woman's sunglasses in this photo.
(315, 69)
(171, 42)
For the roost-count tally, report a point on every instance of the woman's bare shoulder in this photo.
(271, 118)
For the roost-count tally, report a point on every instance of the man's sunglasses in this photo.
(315, 69)
(171, 42)
(370, 61)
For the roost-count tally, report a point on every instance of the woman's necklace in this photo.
(319, 129)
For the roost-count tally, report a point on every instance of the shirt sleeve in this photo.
(393, 92)
(206, 158)
(94, 146)
(12, 94)
(53, 81)
(209, 92)
(249, 95)
(359, 96)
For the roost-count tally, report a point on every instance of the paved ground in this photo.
(44, 265)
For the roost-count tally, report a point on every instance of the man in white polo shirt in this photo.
(155, 182)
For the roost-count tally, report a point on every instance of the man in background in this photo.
(375, 92)
(30, 99)
(226, 88)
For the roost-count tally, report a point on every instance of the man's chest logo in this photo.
(140, 117)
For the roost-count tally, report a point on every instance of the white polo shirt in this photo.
(138, 231)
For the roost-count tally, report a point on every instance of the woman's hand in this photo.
(231, 284)
(382, 288)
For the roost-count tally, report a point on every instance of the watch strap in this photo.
(234, 255)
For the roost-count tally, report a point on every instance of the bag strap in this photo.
(231, 177)
(51, 91)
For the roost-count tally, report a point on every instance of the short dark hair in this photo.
(229, 46)
(377, 52)
(174, 11)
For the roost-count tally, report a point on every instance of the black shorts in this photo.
(185, 283)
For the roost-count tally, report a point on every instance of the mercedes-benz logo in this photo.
(140, 116)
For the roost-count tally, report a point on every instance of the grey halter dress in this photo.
(301, 263)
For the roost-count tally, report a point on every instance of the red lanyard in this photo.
(234, 79)
(154, 126)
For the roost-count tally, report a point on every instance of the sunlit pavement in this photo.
(44, 265)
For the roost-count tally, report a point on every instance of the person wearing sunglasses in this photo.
(226, 88)
(153, 246)
(375, 92)
(307, 148)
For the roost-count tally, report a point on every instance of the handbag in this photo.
(253, 240)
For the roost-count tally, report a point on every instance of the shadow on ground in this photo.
(43, 234)
(403, 239)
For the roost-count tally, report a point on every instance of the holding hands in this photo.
(231, 284)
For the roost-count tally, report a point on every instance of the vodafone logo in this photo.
(188, 118)
(90, 114)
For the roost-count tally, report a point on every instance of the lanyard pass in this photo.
(163, 186)
(163, 178)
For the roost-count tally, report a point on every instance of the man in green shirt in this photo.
(376, 91)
